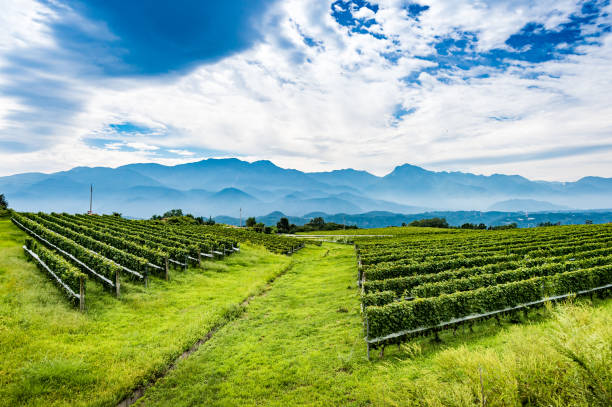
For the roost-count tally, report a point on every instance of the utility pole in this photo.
(90, 198)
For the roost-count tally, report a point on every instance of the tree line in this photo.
(442, 223)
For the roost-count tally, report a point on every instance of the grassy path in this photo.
(51, 354)
(301, 344)
(307, 324)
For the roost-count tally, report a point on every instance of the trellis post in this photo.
(117, 284)
(167, 276)
(81, 294)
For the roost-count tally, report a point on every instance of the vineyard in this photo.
(188, 314)
(75, 249)
(418, 285)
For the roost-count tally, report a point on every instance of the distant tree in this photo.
(117, 214)
(156, 217)
(210, 221)
(173, 212)
(403, 224)
(473, 226)
(504, 227)
(317, 223)
(259, 227)
(250, 222)
(282, 226)
(181, 220)
(588, 222)
(3, 202)
(430, 223)
(267, 230)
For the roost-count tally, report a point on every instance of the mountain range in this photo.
(216, 187)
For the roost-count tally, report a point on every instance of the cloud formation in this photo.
(482, 86)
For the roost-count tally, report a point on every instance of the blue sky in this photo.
(483, 86)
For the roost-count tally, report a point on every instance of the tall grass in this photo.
(563, 360)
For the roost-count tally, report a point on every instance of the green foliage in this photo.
(504, 227)
(395, 269)
(94, 261)
(65, 271)
(272, 242)
(318, 224)
(422, 282)
(377, 298)
(3, 202)
(173, 213)
(250, 222)
(429, 312)
(480, 226)
(400, 285)
(175, 239)
(430, 223)
(91, 237)
(117, 255)
(485, 280)
(283, 226)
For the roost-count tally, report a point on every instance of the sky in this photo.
(514, 87)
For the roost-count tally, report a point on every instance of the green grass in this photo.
(302, 344)
(51, 354)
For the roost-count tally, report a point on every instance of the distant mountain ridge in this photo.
(528, 205)
(216, 187)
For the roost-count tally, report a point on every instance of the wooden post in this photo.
(199, 257)
(82, 294)
(186, 260)
(166, 264)
(117, 285)
(146, 276)
(368, 335)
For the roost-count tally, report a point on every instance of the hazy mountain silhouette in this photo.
(223, 186)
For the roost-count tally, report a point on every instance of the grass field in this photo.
(298, 343)
(302, 344)
(50, 354)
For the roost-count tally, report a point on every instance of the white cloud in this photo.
(364, 13)
(142, 146)
(184, 153)
(330, 106)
